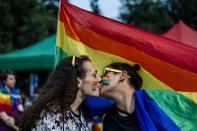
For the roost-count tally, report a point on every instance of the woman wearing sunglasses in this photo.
(58, 107)
(120, 82)
(132, 109)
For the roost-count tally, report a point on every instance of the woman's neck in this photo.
(8, 89)
(76, 104)
(126, 99)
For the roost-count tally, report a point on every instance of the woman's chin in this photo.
(95, 93)
(105, 90)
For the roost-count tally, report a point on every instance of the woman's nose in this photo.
(99, 78)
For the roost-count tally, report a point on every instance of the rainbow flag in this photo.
(166, 64)
(9, 101)
(5, 102)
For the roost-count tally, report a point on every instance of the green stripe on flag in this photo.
(181, 109)
(59, 55)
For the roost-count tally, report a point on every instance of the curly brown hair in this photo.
(58, 93)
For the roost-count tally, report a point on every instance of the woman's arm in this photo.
(20, 108)
(8, 120)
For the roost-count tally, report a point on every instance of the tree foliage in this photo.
(158, 15)
(185, 10)
(24, 22)
(95, 6)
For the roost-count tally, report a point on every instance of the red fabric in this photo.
(182, 33)
(171, 62)
(149, 43)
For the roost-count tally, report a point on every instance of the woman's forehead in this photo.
(89, 66)
(107, 72)
(10, 76)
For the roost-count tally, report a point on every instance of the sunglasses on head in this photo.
(74, 60)
(107, 69)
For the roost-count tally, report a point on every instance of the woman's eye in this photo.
(94, 75)
(105, 73)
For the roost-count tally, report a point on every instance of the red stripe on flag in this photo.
(157, 46)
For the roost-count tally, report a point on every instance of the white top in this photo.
(53, 122)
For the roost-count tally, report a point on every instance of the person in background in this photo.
(10, 102)
(29, 100)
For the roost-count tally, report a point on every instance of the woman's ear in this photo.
(79, 80)
(123, 76)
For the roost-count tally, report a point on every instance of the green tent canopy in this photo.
(39, 56)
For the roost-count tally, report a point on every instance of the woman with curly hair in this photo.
(58, 107)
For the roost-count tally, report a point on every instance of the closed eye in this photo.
(94, 75)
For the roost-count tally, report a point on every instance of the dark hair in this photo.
(58, 93)
(132, 71)
(4, 75)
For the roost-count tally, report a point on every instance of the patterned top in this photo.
(53, 122)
